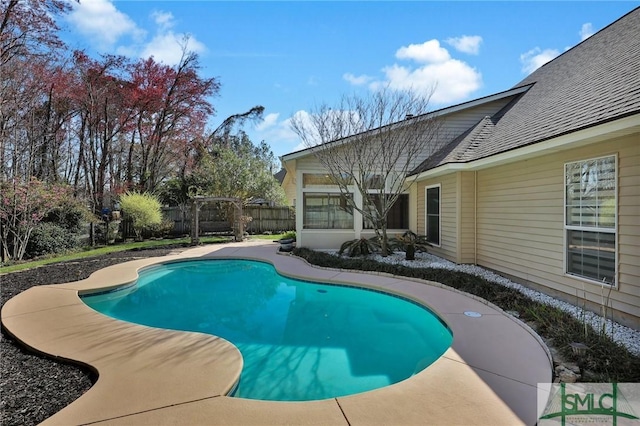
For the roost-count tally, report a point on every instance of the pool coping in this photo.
(152, 376)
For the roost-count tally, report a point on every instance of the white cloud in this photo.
(268, 121)
(427, 52)
(466, 44)
(303, 117)
(586, 31)
(278, 133)
(281, 137)
(447, 79)
(164, 20)
(535, 58)
(166, 47)
(102, 23)
(357, 80)
(108, 28)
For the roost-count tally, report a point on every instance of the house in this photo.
(540, 183)
(288, 186)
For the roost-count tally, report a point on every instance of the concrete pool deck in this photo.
(149, 376)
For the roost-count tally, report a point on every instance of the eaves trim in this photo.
(627, 125)
(433, 114)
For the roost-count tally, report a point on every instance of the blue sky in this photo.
(291, 56)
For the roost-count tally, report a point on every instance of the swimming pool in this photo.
(299, 340)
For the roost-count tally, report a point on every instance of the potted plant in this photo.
(288, 241)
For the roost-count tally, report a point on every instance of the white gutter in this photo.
(621, 127)
(429, 115)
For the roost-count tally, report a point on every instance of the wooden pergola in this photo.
(199, 201)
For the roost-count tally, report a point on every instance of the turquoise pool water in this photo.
(299, 340)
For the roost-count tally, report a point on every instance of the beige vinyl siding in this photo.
(413, 207)
(459, 122)
(448, 219)
(420, 207)
(289, 187)
(629, 219)
(520, 221)
(457, 215)
(455, 124)
(309, 164)
(452, 125)
(466, 217)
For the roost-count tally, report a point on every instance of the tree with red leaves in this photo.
(105, 116)
(28, 27)
(105, 125)
(27, 41)
(172, 109)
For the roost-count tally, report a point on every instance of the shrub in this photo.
(410, 242)
(72, 215)
(360, 247)
(143, 208)
(289, 234)
(23, 205)
(161, 229)
(49, 238)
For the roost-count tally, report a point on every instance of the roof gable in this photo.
(443, 114)
(593, 83)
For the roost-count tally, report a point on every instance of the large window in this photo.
(590, 219)
(398, 216)
(432, 214)
(327, 211)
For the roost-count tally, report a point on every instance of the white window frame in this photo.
(331, 190)
(426, 212)
(613, 230)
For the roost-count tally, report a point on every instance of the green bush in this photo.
(360, 247)
(71, 216)
(289, 234)
(50, 238)
(143, 208)
(162, 229)
(410, 243)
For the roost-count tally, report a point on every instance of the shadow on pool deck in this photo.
(155, 376)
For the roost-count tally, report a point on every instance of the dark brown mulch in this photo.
(33, 387)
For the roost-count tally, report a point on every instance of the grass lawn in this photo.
(91, 252)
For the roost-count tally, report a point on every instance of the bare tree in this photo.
(370, 144)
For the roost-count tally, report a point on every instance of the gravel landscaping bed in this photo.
(33, 387)
(626, 336)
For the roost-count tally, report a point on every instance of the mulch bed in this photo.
(33, 387)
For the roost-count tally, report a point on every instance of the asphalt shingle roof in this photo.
(594, 82)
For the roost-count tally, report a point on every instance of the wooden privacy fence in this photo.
(269, 219)
(214, 219)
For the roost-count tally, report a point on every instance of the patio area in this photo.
(152, 376)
